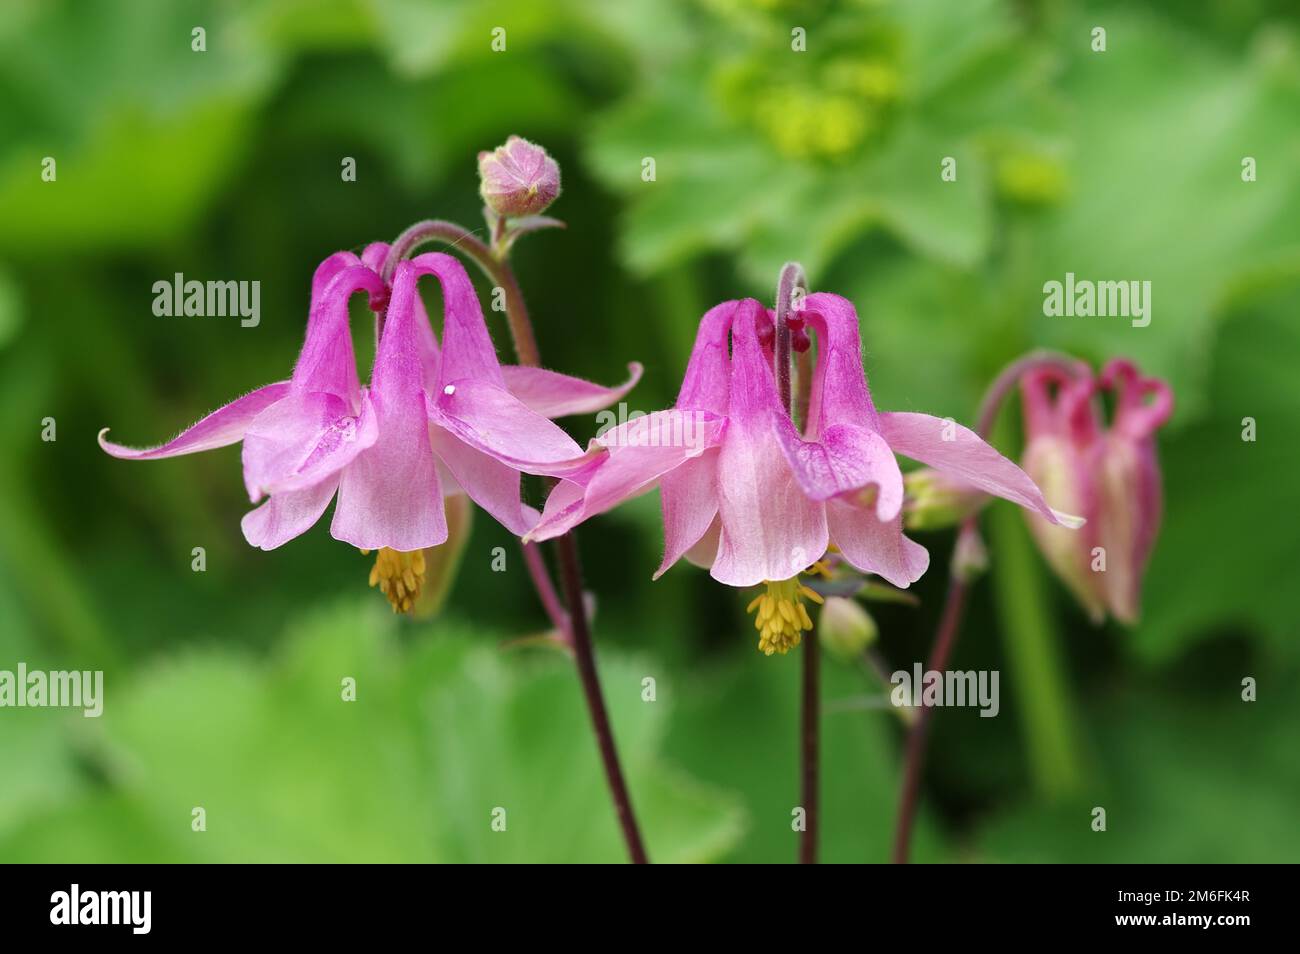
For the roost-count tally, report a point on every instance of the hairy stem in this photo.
(914, 761)
(546, 591)
(571, 574)
(496, 269)
(791, 279)
(804, 375)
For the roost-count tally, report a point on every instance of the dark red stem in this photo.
(571, 574)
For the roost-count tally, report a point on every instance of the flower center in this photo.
(782, 617)
(399, 576)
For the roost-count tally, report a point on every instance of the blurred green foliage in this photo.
(223, 686)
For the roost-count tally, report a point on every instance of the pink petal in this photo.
(327, 362)
(563, 509)
(222, 427)
(286, 515)
(707, 382)
(326, 272)
(689, 498)
(966, 456)
(843, 452)
(875, 546)
(373, 257)
(299, 441)
(389, 495)
(1039, 398)
(839, 390)
(551, 394)
(492, 485)
(1056, 404)
(844, 459)
(705, 550)
(640, 452)
(467, 349)
(374, 254)
(491, 419)
(770, 529)
(689, 431)
(1135, 415)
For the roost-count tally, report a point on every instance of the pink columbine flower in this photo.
(518, 179)
(1111, 476)
(434, 420)
(749, 496)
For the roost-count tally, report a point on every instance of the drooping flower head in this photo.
(756, 500)
(435, 419)
(1110, 475)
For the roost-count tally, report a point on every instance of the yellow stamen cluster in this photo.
(782, 617)
(399, 576)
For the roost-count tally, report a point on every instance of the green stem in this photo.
(1032, 642)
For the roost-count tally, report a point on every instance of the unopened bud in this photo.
(970, 558)
(935, 500)
(518, 179)
(1110, 475)
(1059, 468)
(845, 628)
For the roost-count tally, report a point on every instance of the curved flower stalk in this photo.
(1110, 475)
(436, 419)
(749, 496)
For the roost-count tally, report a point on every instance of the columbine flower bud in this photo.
(845, 628)
(1127, 477)
(970, 558)
(1110, 476)
(518, 179)
(1061, 428)
(934, 500)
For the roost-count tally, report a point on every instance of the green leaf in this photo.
(39, 768)
(1153, 203)
(141, 128)
(438, 738)
(898, 188)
